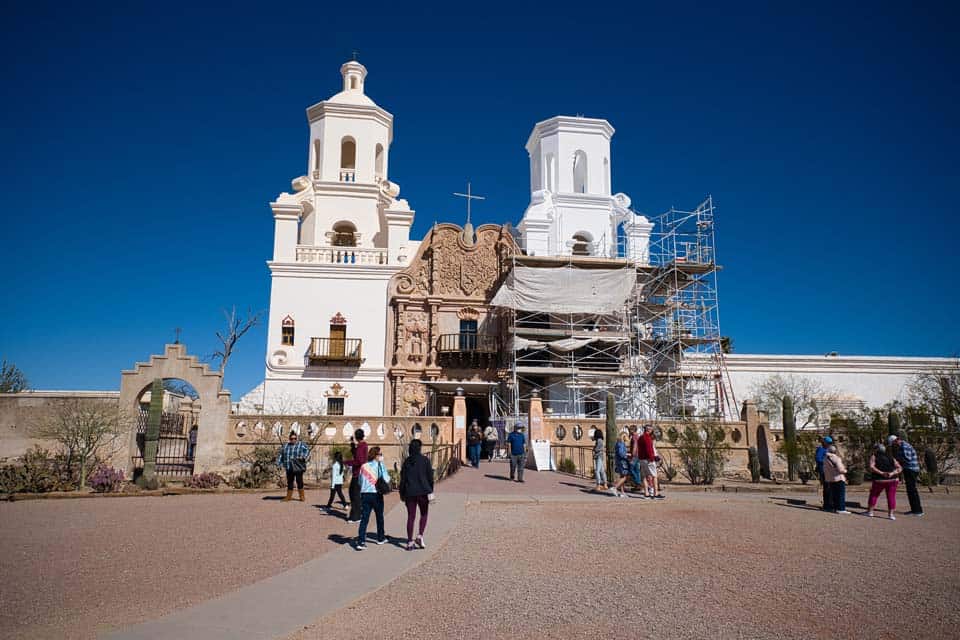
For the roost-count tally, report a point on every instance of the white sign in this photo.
(460, 422)
(541, 455)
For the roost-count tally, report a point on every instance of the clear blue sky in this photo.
(141, 148)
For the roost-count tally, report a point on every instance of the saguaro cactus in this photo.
(790, 438)
(151, 439)
(611, 433)
(893, 423)
(753, 459)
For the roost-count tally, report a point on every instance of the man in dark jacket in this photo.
(517, 443)
(416, 490)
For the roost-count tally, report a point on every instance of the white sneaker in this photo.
(892, 517)
(844, 511)
(420, 542)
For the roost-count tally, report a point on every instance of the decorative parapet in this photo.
(342, 255)
(254, 429)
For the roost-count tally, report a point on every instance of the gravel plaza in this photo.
(542, 559)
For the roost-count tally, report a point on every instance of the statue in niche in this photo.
(414, 398)
(415, 330)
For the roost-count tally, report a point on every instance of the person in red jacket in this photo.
(647, 453)
(358, 459)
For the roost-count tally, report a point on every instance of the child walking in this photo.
(336, 480)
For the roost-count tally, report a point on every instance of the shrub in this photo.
(203, 481)
(260, 469)
(105, 479)
(703, 451)
(567, 466)
(37, 471)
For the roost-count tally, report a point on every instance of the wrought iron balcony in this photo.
(326, 350)
(467, 343)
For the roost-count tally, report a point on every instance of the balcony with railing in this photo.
(468, 349)
(335, 350)
(341, 255)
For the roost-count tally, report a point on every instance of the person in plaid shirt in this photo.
(907, 457)
(293, 458)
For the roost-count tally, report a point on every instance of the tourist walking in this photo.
(635, 459)
(192, 443)
(834, 475)
(517, 443)
(416, 491)
(293, 458)
(358, 457)
(474, 442)
(647, 456)
(818, 457)
(600, 460)
(885, 470)
(621, 465)
(336, 479)
(491, 440)
(370, 497)
(906, 455)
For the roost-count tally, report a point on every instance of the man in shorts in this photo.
(647, 454)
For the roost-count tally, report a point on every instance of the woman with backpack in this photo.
(885, 470)
(600, 460)
(336, 479)
(371, 496)
(416, 490)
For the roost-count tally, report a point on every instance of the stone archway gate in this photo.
(214, 403)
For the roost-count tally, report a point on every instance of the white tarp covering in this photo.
(566, 289)
(564, 344)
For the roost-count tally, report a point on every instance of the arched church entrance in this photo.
(179, 428)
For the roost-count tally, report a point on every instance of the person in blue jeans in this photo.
(370, 498)
(517, 442)
(474, 443)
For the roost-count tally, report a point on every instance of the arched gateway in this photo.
(214, 408)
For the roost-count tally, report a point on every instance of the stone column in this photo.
(536, 418)
(459, 431)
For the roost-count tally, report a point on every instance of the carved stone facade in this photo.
(451, 280)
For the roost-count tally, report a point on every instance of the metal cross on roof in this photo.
(355, 54)
(469, 196)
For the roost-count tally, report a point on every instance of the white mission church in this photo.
(344, 233)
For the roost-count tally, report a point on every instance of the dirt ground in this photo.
(70, 567)
(694, 566)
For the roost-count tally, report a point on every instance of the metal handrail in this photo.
(335, 349)
(467, 343)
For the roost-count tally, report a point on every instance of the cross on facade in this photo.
(469, 196)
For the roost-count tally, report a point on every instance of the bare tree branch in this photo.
(235, 329)
(12, 379)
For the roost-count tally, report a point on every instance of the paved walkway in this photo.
(284, 603)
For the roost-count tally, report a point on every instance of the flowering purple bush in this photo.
(105, 479)
(204, 481)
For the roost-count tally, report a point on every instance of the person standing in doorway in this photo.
(517, 442)
(600, 460)
(885, 470)
(192, 443)
(416, 491)
(635, 460)
(358, 451)
(818, 457)
(371, 499)
(906, 455)
(490, 440)
(836, 481)
(293, 458)
(474, 441)
(336, 479)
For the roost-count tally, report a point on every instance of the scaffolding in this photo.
(660, 352)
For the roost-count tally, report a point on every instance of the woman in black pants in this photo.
(358, 450)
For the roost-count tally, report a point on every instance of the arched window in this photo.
(344, 234)
(287, 331)
(580, 172)
(348, 153)
(316, 155)
(549, 172)
(378, 161)
(581, 244)
(353, 82)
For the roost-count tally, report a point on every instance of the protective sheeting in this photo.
(564, 344)
(566, 289)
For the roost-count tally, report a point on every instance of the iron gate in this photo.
(174, 452)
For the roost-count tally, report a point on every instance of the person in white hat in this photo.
(906, 455)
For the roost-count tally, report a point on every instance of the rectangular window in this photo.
(286, 336)
(334, 406)
(468, 335)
